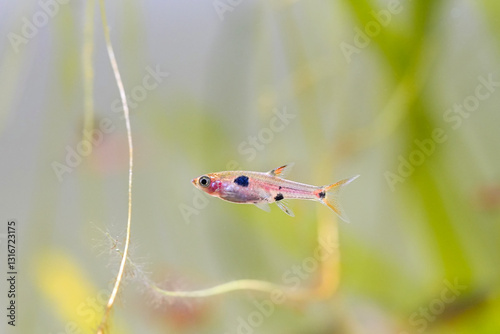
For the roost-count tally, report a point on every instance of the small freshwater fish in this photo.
(262, 189)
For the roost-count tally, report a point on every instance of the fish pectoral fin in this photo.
(263, 205)
(283, 207)
(281, 171)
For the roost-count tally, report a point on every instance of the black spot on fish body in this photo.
(278, 197)
(280, 187)
(321, 195)
(241, 180)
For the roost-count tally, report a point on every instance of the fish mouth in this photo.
(193, 181)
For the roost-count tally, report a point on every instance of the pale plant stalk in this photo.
(244, 284)
(329, 268)
(123, 98)
(322, 291)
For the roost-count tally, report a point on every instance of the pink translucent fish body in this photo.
(261, 189)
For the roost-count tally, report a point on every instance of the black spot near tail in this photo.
(278, 197)
(241, 180)
(321, 195)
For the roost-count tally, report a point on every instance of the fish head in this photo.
(209, 183)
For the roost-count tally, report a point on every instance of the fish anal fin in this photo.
(285, 209)
(263, 206)
(281, 171)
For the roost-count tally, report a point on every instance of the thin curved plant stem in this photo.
(244, 284)
(123, 97)
(241, 285)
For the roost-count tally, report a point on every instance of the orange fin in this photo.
(330, 196)
(281, 171)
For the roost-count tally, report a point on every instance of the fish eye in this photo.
(204, 181)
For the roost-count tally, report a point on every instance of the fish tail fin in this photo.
(330, 196)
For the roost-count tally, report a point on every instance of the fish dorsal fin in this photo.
(281, 171)
(285, 209)
(263, 205)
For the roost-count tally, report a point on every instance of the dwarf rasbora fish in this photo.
(263, 188)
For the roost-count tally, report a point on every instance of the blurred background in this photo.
(405, 93)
